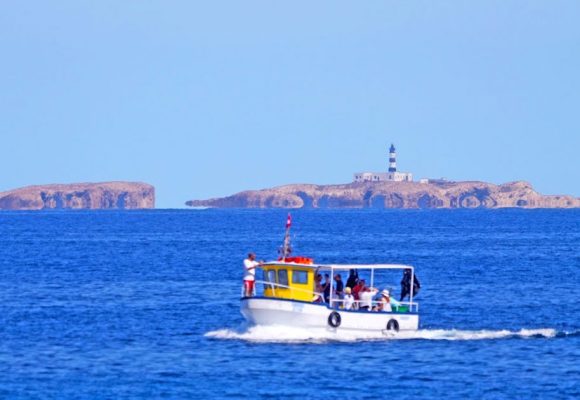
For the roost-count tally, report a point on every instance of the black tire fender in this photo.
(334, 319)
(393, 325)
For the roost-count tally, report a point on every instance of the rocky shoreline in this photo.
(412, 195)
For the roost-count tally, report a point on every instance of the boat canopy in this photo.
(336, 267)
(297, 281)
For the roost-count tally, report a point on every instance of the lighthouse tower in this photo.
(392, 159)
(391, 176)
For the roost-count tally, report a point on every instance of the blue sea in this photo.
(145, 304)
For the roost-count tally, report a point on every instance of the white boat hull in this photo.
(267, 311)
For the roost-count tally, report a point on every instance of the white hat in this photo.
(385, 293)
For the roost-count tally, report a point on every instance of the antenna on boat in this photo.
(286, 247)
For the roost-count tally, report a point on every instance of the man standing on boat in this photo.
(406, 284)
(250, 265)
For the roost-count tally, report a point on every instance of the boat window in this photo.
(283, 277)
(300, 277)
(269, 276)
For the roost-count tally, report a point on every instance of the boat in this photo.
(286, 295)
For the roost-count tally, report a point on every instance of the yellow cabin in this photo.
(289, 281)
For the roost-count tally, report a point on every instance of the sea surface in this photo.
(145, 304)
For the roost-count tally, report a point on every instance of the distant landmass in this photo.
(90, 196)
(390, 194)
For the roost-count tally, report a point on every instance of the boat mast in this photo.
(286, 247)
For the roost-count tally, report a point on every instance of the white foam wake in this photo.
(285, 334)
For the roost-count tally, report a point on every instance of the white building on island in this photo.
(392, 175)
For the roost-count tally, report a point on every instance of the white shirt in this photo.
(386, 305)
(366, 298)
(250, 269)
(348, 301)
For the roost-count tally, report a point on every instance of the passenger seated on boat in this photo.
(348, 299)
(366, 298)
(395, 304)
(318, 289)
(326, 287)
(384, 303)
(357, 289)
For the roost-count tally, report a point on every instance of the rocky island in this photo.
(390, 194)
(90, 196)
(393, 189)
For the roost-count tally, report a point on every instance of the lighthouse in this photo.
(392, 159)
(391, 176)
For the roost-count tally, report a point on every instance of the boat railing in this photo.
(398, 306)
(333, 302)
(274, 285)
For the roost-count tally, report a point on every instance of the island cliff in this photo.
(393, 195)
(106, 195)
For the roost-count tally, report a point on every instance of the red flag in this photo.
(288, 221)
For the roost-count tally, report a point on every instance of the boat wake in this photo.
(284, 334)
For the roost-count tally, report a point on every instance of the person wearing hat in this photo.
(348, 301)
(384, 303)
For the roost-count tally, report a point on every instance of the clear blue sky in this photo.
(207, 99)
